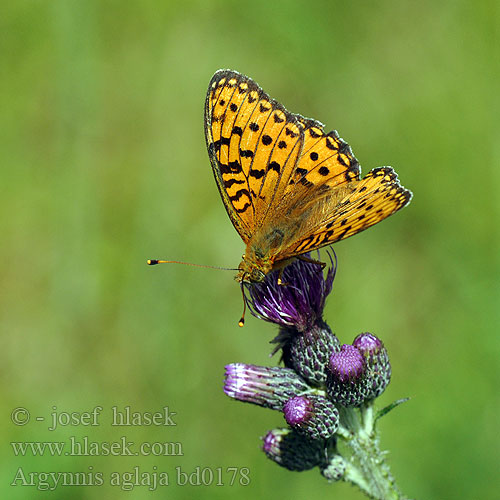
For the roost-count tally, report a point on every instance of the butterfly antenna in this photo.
(241, 322)
(153, 262)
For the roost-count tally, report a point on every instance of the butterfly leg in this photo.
(280, 281)
(311, 261)
(281, 266)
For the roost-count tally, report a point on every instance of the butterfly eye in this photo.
(243, 257)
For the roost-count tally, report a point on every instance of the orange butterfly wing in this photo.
(366, 202)
(253, 144)
(276, 169)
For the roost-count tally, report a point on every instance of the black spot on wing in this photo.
(239, 194)
(266, 140)
(230, 182)
(274, 165)
(330, 144)
(233, 167)
(341, 160)
(305, 182)
(344, 232)
(220, 142)
(257, 173)
(243, 208)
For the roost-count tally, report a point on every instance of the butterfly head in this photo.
(254, 276)
(253, 268)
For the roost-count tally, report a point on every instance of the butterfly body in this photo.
(288, 187)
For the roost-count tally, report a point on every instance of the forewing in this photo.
(253, 143)
(325, 158)
(326, 164)
(368, 201)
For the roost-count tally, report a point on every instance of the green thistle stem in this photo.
(366, 466)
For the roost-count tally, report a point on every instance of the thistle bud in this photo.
(270, 387)
(308, 352)
(313, 415)
(292, 450)
(346, 384)
(377, 360)
(334, 470)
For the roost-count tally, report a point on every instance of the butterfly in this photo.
(288, 187)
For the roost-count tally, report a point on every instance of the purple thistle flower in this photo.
(270, 387)
(300, 300)
(359, 372)
(297, 307)
(298, 410)
(347, 364)
(320, 376)
(346, 384)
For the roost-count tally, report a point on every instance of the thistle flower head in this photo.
(300, 298)
(345, 382)
(359, 372)
(320, 376)
(347, 364)
(298, 410)
(270, 387)
(378, 364)
(292, 450)
(308, 352)
(313, 415)
(368, 344)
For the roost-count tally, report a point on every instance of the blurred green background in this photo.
(103, 165)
